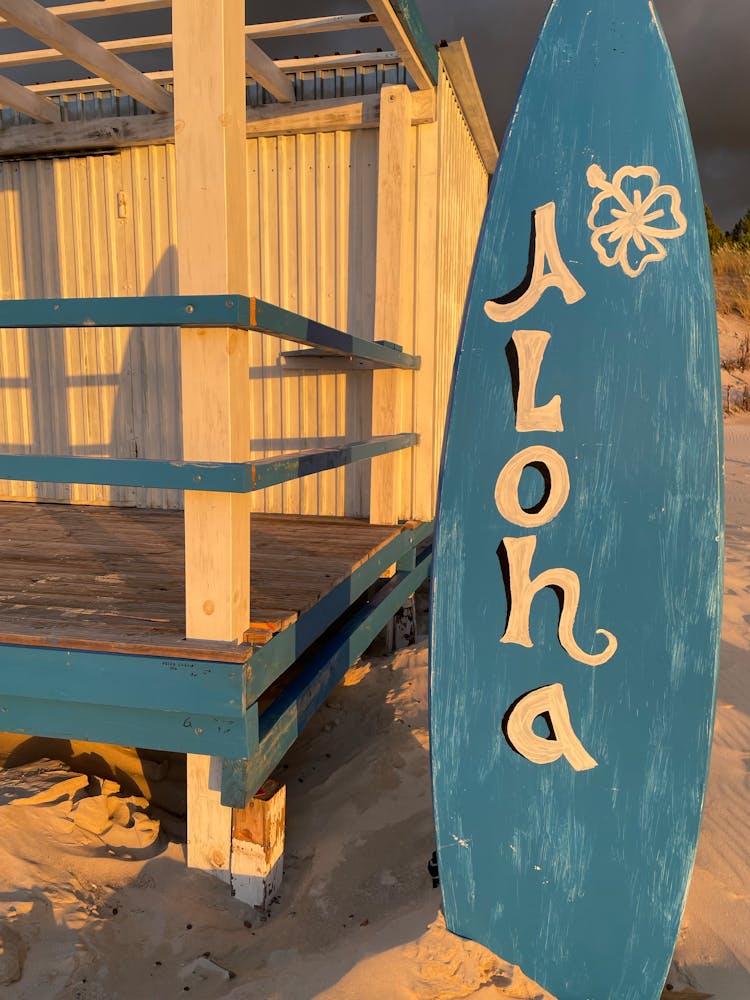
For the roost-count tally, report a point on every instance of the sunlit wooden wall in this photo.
(105, 225)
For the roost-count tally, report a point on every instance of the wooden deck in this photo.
(112, 579)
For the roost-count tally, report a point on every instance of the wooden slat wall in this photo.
(312, 201)
(462, 195)
(105, 225)
(97, 225)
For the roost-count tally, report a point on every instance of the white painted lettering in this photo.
(506, 489)
(548, 271)
(523, 589)
(530, 347)
(551, 703)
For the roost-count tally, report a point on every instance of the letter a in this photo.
(562, 742)
(546, 254)
(523, 590)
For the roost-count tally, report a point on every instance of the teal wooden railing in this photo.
(204, 311)
(207, 705)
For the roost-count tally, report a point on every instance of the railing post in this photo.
(212, 228)
(393, 297)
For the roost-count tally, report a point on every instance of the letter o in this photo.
(506, 488)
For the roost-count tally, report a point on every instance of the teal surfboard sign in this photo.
(578, 555)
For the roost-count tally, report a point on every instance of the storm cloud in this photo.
(710, 43)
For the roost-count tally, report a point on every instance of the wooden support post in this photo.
(212, 227)
(393, 296)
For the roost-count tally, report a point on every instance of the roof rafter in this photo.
(150, 43)
(265, 71)
(37, 21)
(350, 60)
(34, 57)
(407, 34)
(13, 95)
(312, 25)
(101, 8)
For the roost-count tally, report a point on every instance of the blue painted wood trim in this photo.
(277, 655)
(283, 468)
(179, 732)
(411, 19)
(321, 669)
(205, 311)
(143, 310)
(212, 477)
(133, 682)
(277, 322)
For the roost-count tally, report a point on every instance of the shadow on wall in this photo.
(93, 392)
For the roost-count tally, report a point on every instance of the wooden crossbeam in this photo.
(312, 25)
(35, 57)
(37, 21)
(13, 95)
(312, 64)
(101, 8)
(330, 115)
(413, 51)
(151, 43)
(264, 70)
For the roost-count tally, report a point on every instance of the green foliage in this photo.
(741, 232)
(716, 237)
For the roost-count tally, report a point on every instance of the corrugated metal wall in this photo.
(462, 196)
(309, 85)
(105, 225)
(313, 210)
(96, 225)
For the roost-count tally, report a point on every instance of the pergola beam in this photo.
(101, 8)
(404, 27)
(151, 43)
(35, 57)
(304, 65)
(264, 70)
(38, 22)
(13, 95)
(312, 25)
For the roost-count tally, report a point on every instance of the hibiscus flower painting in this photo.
(632, 216)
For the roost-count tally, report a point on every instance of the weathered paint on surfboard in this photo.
(567, 848)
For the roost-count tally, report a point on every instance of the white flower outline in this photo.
(632, 221)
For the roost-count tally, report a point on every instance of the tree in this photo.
(741, 232)
(716, 237)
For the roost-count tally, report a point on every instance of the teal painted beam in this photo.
(200, 733)
(270, 661)
(322, 668)
(143, 310)
(411, 20)
(272, 471)
(205, 311)
(130, 682)
(212, 477)
(277, 322)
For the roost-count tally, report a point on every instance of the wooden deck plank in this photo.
(107, 578)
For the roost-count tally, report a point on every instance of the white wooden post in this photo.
(393, 298)
(212, 227)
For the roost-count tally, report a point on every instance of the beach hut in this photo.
(231, 292)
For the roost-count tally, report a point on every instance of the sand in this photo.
(96, 902)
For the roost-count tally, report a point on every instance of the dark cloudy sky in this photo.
(710, 41)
